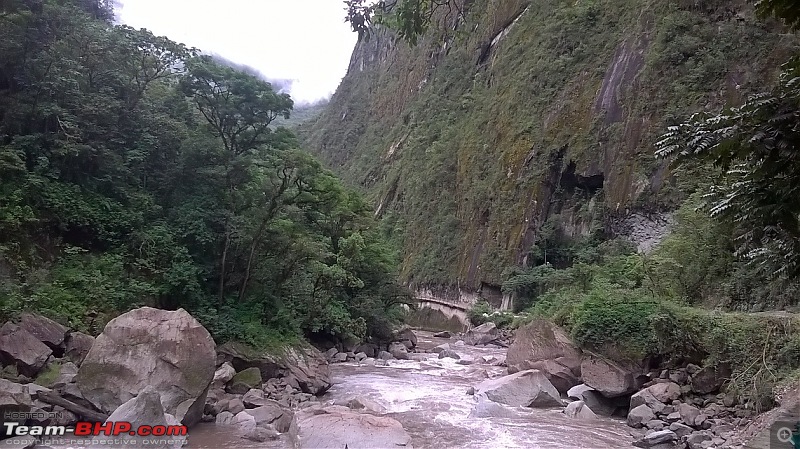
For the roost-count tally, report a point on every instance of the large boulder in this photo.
(486, 408)
(559, 375)
(710, 379)
(245, 380)
(339, 427)
(525, 388)
(168, 350)
(483, 334)
(46, 330)
(579, 410)
(78, 345)
(542, 340)
(638, 416)
(398, 350)
(406, 336)
(142, 410)
(22, 349)
(15, 399)
(305, 364)
(609, 378)
(223, 374)
(272, 413)
(665, 392)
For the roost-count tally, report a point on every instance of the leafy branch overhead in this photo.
(410, 19)
(757, 148)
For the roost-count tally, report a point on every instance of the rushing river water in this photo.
(428, 396)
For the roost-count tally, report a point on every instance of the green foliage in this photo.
(135, 172)
(755, 147)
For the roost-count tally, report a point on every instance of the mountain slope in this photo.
(524, 117)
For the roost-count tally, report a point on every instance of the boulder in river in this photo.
(143, 410)
(168, 350)
(22, 349)
(406, 336)
(579, 410)
(443, 334)
(639, 415)
(559, 375)
(449, 353)
(306, 364)
(338, 427)
(528, 388)
(542, 340)
(398, 350)
(482, 335)
(486, 408)
(610, 378)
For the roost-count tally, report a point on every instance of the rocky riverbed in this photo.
(483, 389)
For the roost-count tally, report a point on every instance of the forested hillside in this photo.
(519, 132)
(135, 171)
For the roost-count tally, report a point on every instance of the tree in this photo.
(757, 148)
(409, 18)
(239, 109)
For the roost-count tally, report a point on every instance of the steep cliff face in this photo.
(518, 114)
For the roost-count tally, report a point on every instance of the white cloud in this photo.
(302, 40)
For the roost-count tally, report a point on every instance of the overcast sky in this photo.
(306, 41)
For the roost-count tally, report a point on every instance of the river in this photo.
(428, 396)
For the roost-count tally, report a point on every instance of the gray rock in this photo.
(330, 353)
(360, 356)
(14, 398)
(223, 374)
(339, 357)
(647, 398)
(655, 424)
(398, 350)
(688, 413)
(406, 336)
(710, 379)
(561, 376)
(254, 398)
(577, 391)
(78, 345)
(579, 410)
(143, 410)
(459, 343)
(384, 355)
(261, 434)
(225, 418)
(440, 348)
(680, 429)
(471, 391)
(486, 408)
(168, 350)
(607, 377)
(235, 406)
(443, 334)
(244, 381)
(273, 414)
(22, 349)
(337, 427)
(305, 364)
(362, 403)
(481, 335)
(449, 353)
(596, 402)
(696, 440)
(639, 415)
(541, 340)
(46, 330)
(526, 388)
(656, 437)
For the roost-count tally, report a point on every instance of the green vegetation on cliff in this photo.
(135, 172)
(470, 141)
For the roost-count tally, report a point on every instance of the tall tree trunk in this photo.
(222, 264)
(253, 247)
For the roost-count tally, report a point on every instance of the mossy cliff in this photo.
(519, 113)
